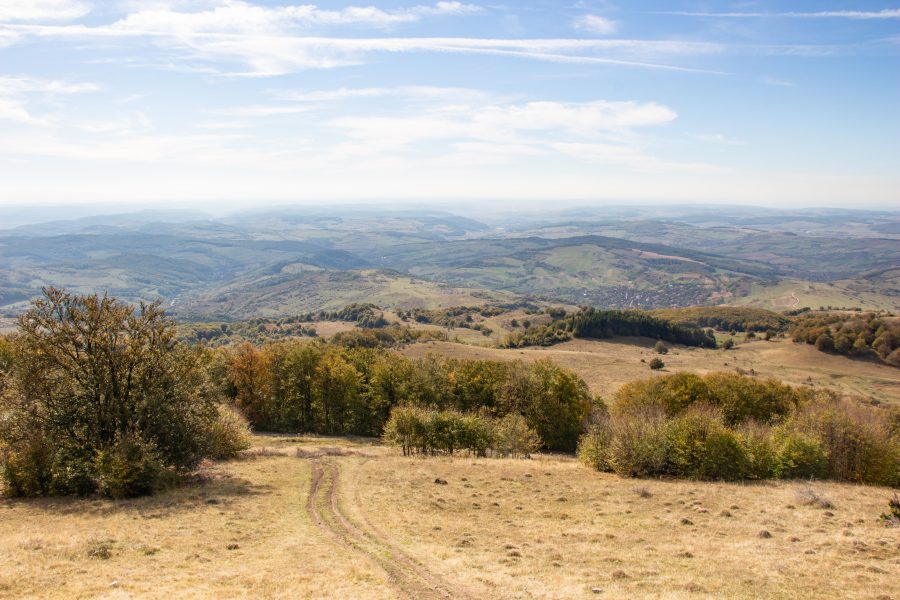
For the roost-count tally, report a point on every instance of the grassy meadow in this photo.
(607, 364)
(336, 518)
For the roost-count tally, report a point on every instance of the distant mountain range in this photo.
(280, 261)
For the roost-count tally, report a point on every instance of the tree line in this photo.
(858, 335)
(725, 318)
(594, 323)
(333, 389)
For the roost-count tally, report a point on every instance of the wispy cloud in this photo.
(274, 40)
(42, 10)
(719, 139)
(16, 94)
(237, 16)
(266, 52)
(596, 24)
(778, 82)
(888, 13)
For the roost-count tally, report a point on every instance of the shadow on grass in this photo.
(201, 489)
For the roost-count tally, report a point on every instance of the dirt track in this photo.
(410, 579)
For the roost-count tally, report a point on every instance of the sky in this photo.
(543, 103)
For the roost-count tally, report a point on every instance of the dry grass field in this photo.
(607, 364)
(321, 518)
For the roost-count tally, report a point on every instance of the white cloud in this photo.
(42, 10)
(719, 139)
(263, 110)
(235, 16)
(16, 93)
(596, 24)
(775, 81)
(274, 41)
(888, 13)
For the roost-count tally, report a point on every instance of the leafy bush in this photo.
(638, 444)
(511, 436)
(656, 364)
(28, 467)
(94, 384)
(671, 393)
(228, 434)
(428, 432)
(799, 456)
(756, 439)
(742, 398)
(700, 447)
(893, 514)
(859, 442)
(594, 445)
(129, 468)
(729, 427)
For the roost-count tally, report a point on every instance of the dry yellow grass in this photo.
(542, 528)
(607, 364)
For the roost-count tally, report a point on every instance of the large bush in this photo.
(701, 447)
(99, 396)
(728, 427)
(428, 432)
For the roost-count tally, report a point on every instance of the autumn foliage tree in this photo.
(99, 396)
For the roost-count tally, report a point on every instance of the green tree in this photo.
(96, 382)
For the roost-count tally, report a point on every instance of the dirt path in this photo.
(410, 578)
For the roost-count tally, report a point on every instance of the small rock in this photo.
(764, 534)
(596, 590)
(232, 546)
(440, 481)
(686, 521)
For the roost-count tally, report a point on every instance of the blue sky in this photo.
(239, 102)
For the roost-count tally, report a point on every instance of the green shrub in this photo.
(594, 445)
(513, 437)
(756, 439)
(742, 398)
(476, 435)
(94, 382)
(638, 445)
(670, 393)
(858, 440)
(799, 456)
(228, 434)
(73, 474)
(28, 468)
(406, 428)
(700, 447)
(130, 468)
(656, 364)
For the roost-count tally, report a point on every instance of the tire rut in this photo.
(411, 579)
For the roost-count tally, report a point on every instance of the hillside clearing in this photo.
(607, 364)
(543, 528)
